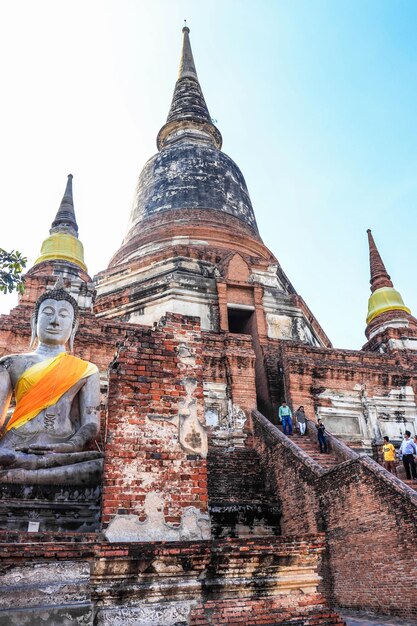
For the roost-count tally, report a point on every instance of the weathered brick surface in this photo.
(230, 359)
(256, 581)
(239, 502)
(226, 234)
(370, 520)
(365, 514)
(301, 373)
(236, 475)
(277, 611)
(146, 390)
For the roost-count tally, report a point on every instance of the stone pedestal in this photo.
(51, 593)
(49, 508)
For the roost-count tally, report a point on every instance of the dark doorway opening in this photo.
(240, 321)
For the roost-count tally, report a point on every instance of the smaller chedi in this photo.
(44, 440)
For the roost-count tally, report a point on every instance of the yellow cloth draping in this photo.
(42, 385)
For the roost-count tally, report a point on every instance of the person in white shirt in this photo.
(408, 449)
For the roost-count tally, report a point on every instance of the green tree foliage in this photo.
(12, 265)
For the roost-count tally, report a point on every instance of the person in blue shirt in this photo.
(408, 449)
(285, 415)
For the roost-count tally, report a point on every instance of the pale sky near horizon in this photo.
(315, 100)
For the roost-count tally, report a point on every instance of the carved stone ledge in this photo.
(49, 508)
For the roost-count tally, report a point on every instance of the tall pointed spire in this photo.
(188, 115)
(65, 217)
(63, 243)
(187, 65)
(379, 275)
(384, 297)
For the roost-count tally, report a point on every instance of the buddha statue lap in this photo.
(44, 440)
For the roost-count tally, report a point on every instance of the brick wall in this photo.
(251, 581)
(287, 610)
(243, 582)
(370, 520)
(309, 371)
(229, 358)
(147, 391)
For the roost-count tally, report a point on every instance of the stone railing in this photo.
(365, 512)
(341, 451)
(273, 436)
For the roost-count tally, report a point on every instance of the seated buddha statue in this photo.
(44, 439)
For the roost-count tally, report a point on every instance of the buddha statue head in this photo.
(55, 318)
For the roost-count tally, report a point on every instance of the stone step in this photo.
(311, 447)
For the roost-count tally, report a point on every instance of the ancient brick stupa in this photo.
(205, 511)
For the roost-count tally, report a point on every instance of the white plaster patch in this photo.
(408, 343)
(194, 525)
(185, 303)
(45, 585)
(212, 417)
(279, 326)
(192, 434)
(345, 417)
(174, 296)
(401, 322)
(152, 614)
(227, 420)
(186, 355)
(146, 479)
(269, 278)
(215, 403)
(356, 415)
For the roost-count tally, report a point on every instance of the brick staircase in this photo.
(311, 447)
(238, 501)
(327, 461)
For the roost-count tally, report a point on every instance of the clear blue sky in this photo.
(315, 99)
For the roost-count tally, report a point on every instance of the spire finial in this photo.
(384, 297)
(187, 65)
(65, 217)
(379, 275)
(188, 112)
(63, 243)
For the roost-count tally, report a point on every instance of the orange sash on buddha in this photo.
(44, 383)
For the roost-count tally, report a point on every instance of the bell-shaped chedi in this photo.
(61, 254)
(390, 324)
(190, 187)
(191, 214)
(63, 243)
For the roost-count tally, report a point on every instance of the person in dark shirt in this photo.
(321, 435)
(407, 450)
(301, 420)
